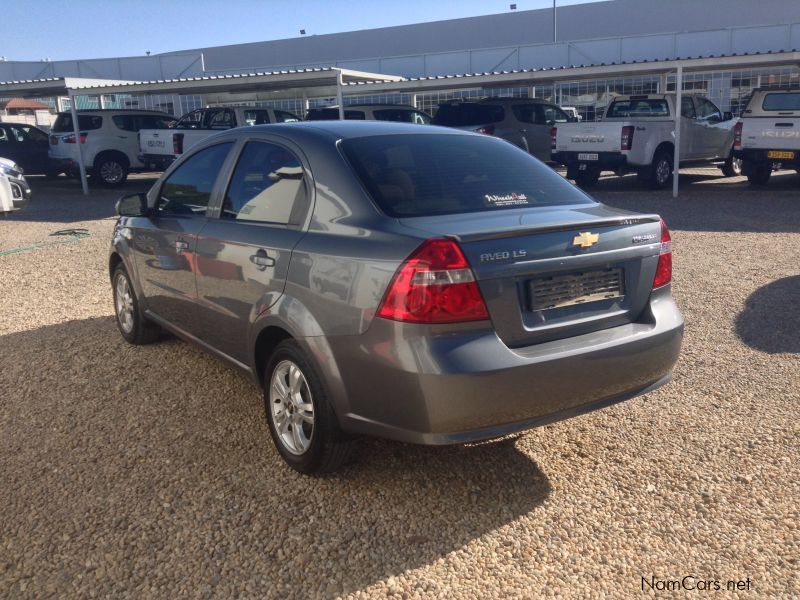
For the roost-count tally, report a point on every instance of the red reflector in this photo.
(488, 130)
(737, 135)
(553, 135)
(664, 267)
(434, 285)
(177, 143)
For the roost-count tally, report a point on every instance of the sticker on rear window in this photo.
(506, 200)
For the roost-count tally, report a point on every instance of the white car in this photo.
(768, 135)
(108, 138)
(14, 190)
(637, 134)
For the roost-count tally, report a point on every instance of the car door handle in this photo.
(180, 245)
(261, 260)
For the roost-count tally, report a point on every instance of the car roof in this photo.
(352, 129)
(135, 111)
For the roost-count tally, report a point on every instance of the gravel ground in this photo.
(149, 472)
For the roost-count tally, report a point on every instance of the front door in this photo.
(164, 244)
(243, 256)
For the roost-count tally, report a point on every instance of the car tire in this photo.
(588, 178)
(759, 175)
(134, 327)
(110, 169)
(302, 423)
(661, 170)
(732, 167)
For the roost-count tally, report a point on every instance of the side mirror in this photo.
(727, 116)
(132, 205)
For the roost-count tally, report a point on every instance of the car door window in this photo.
(281, 116)
(687, 108)
(707, 110)
(267, 186)
(256, 117)
(223, 119)
(187, 191)
(547, 114)
(192, 120)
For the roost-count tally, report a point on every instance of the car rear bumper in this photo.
(606, 161)
(411, 384)
(156, 162)
(760, 156)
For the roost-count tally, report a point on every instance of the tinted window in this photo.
(687, 108)
(192, 120)
(27, 134)
(401, 115)
(223, 119)
(790, 101)
(638, 108)
(420, 175)
(188, 189)
(281, 116)
(468, 114)
(267, 185)
(85, 123)
(124, 122)
(256, 117)
(707, 110)
(4, 137)
(550, 114)
(332, 114)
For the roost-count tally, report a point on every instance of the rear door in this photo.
(164, 244)
(243, 252)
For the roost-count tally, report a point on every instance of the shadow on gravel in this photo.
(770, 320)
(130, 468)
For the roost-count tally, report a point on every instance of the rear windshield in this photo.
(401, 115)
(468, 114)
(86, 122)
(638, 108)
(412, 175)
(790, 101)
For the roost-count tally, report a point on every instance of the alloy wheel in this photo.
(291, 407)
(124, 304)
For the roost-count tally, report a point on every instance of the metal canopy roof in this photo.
(523, 77)
(46, 88)
(237, 88)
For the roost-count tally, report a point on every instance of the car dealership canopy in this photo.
(333, 81)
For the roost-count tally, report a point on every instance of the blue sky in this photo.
(109, 28)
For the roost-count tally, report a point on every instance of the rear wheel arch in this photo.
(114, 260)
(120, 173)
(265, 345)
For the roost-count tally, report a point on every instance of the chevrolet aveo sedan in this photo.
(415, 283)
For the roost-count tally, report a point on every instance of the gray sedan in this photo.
(416, 283)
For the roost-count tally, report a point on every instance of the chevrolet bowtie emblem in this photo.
(586, 239)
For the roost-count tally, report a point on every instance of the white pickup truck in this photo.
(637, 134)
(159, 147)
(768, 135)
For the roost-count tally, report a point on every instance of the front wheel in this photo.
(132, 325)
(301, 421)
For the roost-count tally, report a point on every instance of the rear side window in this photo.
(638, 108)
(790, 101)
(401, 115)
(267, 186)
(414, 175)
(63, 123)
(192, 120)
(124, 122)
(187, 190)
(468, 114)
(256, 117)
(281, 116)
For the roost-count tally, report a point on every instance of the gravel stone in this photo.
(136, 472)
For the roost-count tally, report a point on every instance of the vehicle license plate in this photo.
(779, 154)
(588, 156)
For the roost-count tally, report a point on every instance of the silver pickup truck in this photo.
(637, 134)
(768, 135)
(158, 148)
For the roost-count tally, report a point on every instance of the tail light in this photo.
(737, 135)
(488, 130)
(70, 139)
(664, 268)
(177, 143)
(54, 140)
(626, 139)
(434, 285)
(553, 135)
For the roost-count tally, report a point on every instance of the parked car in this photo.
(158, 148)
(108, 139)
(768, 135)
(637, 134)
(421, 284)
(572, 112)
(15, 193)
(400, 113)
(27, 146)
(524, 122)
